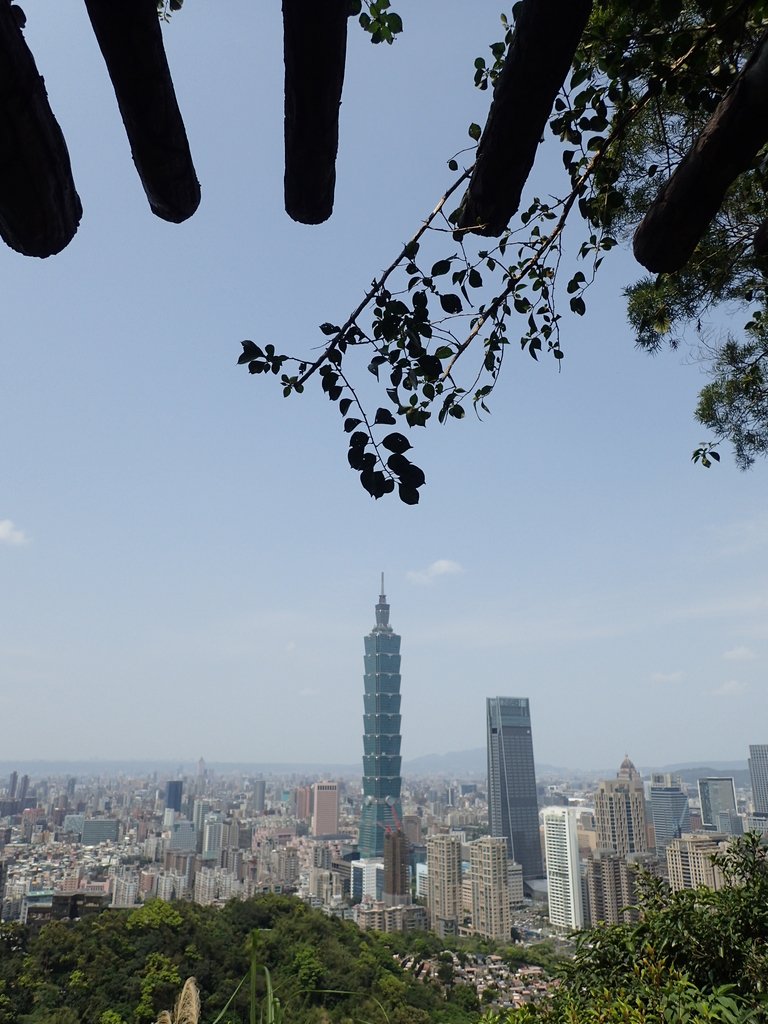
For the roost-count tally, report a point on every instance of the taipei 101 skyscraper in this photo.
(382, 811)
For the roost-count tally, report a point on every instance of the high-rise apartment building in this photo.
(182, 837)
(397, 890)
(444, 884)
(215, 836)
(259, 796)
(512, 805)
(561, 849)
(758, 773)
(612, 886)
(620, 812)
(381, 739)
(719, 812)
(200, 809)
(412, 828)
(671, 814)
(489, 873)
(325, 817)
(689, 861)
(302, 803)
(125, 889)
(366, 879)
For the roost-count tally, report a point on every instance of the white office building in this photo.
(561, 848)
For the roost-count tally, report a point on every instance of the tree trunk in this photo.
(728, 144)
(131, 42)
(39, 206)
(315, 49)
(546, 35)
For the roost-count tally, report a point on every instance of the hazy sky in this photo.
(188, 566)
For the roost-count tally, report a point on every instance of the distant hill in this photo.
(690, 773)
(463, 763)
(457, 764)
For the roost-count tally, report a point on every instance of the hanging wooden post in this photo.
(544, 42)
(39, 205)
(131, 42)
(678, 218)
(315, 49)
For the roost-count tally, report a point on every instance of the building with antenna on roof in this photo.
(382, 810)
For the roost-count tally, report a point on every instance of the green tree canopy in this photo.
(128, 965)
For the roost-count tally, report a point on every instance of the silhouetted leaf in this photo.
(396, 443)
(451, 303)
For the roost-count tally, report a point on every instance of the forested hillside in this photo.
(126, 966)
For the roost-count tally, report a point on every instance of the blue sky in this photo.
(188, 566)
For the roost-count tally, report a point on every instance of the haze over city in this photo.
(188, 565)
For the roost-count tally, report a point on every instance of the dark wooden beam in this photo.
(315, 48)
(545, 38)
(131, 42)
(39, 205)
(683, 210)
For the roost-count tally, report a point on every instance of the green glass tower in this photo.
(382, 811)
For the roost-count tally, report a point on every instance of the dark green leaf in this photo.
(451, 303)
(396, 443)
(408, 495)
(355, 458)
(250, 351)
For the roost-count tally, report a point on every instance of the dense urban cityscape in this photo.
(499, 857)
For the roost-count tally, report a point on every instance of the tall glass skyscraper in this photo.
(719, 811)
(758, 773)
(513, 810)
(381, 739)
(669, 806)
